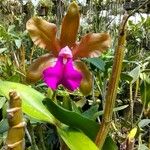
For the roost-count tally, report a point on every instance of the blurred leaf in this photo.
(109, 144)
(75, 108)
(143, 147)
(143, 123)
(3, 49)
(11, 28)
(145, 92)
(114, 110)
(18, 43)
(126, 77)
(145, 77)
(67, 102)
(76, 140)
(2, 101)
(31, 100)
(135, 73)
(73, 119)
(3, 126)
(97, 62)
(90, 113)
(132, 134)
(14, 78)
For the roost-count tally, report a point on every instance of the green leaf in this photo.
(31, 100)
(90, 113)
(99, 113)
(145, 92)
(135, 73)
(3, 126)
(143, 123)
(126, 77)
(2, 101)
(2, 50)
(97, 62)
(109, 144)
(143, 147)
(73, 119)
(76, 140)
(18, 43)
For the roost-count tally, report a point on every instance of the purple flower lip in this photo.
(63, 73)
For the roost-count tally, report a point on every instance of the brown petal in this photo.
(34, 72)
(92, 45)
(70, 26)
(86, 83)
(43, 34)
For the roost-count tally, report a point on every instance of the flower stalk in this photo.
(15, 136)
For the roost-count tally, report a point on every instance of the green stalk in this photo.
(131, 104)
(113, 84)
(15, 136)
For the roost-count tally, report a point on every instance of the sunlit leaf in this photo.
(143, 147)
(76, 140)
(18, 43)
(143, 123)
(132, 134)
(135, 73)
(2, 50)
(31, 100)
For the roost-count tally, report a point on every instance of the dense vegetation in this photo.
(70, 119)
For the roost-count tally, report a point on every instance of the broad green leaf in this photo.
(31, 100)
(143, 123)
(145, 92)
(109, 144)
(97, 62)
(135, 73)
(76, 140)
(73, 119)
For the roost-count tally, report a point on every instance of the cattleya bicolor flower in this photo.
(63, 65)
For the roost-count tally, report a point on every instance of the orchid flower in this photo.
(63, 65)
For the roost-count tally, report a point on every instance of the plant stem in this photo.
(131, 104)
(114, 80)
(112, 87)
